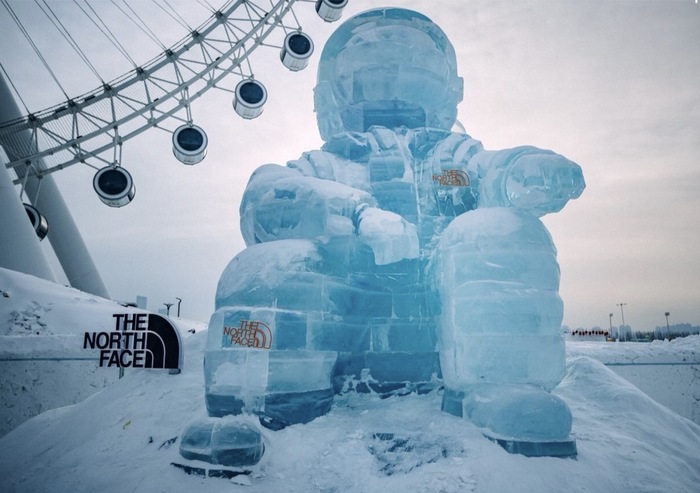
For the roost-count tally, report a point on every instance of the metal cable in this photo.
(33, 45)
(12, 84)
(177, 17)
(206, 5)
(67, 36)
(104, 29)
(145, 30)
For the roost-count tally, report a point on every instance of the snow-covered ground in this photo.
(42, 361)
(124, 437)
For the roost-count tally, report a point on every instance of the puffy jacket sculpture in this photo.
(398, 257)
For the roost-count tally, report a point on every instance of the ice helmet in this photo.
(388, 66)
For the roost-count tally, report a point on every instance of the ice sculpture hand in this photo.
(543, 183)
(530, 179)
(390, 236)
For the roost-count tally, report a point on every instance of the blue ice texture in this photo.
(225, 442)
(400, 256)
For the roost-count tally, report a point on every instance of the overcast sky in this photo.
(612, 84)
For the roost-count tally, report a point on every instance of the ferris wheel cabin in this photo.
(114, 186)
(250, 98)
(190, 144)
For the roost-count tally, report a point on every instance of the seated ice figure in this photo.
(398, 254)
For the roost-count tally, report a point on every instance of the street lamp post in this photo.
(178, 305)
(167, 306)
(611, 334)
(622, 311)
(668, 328)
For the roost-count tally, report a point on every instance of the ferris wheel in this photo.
(92, 128)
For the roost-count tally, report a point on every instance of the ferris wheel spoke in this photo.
(92, 124)
(91, 128)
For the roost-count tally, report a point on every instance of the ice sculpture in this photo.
(398, 253)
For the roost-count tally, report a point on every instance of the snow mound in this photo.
(124, 438)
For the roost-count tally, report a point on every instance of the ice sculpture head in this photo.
(390, 67)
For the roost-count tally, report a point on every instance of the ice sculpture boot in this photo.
(220, 447)
(523, 419)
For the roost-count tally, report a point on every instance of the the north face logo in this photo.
(139, 340)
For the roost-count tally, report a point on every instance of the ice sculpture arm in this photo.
(528, 178)
(281, 203)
